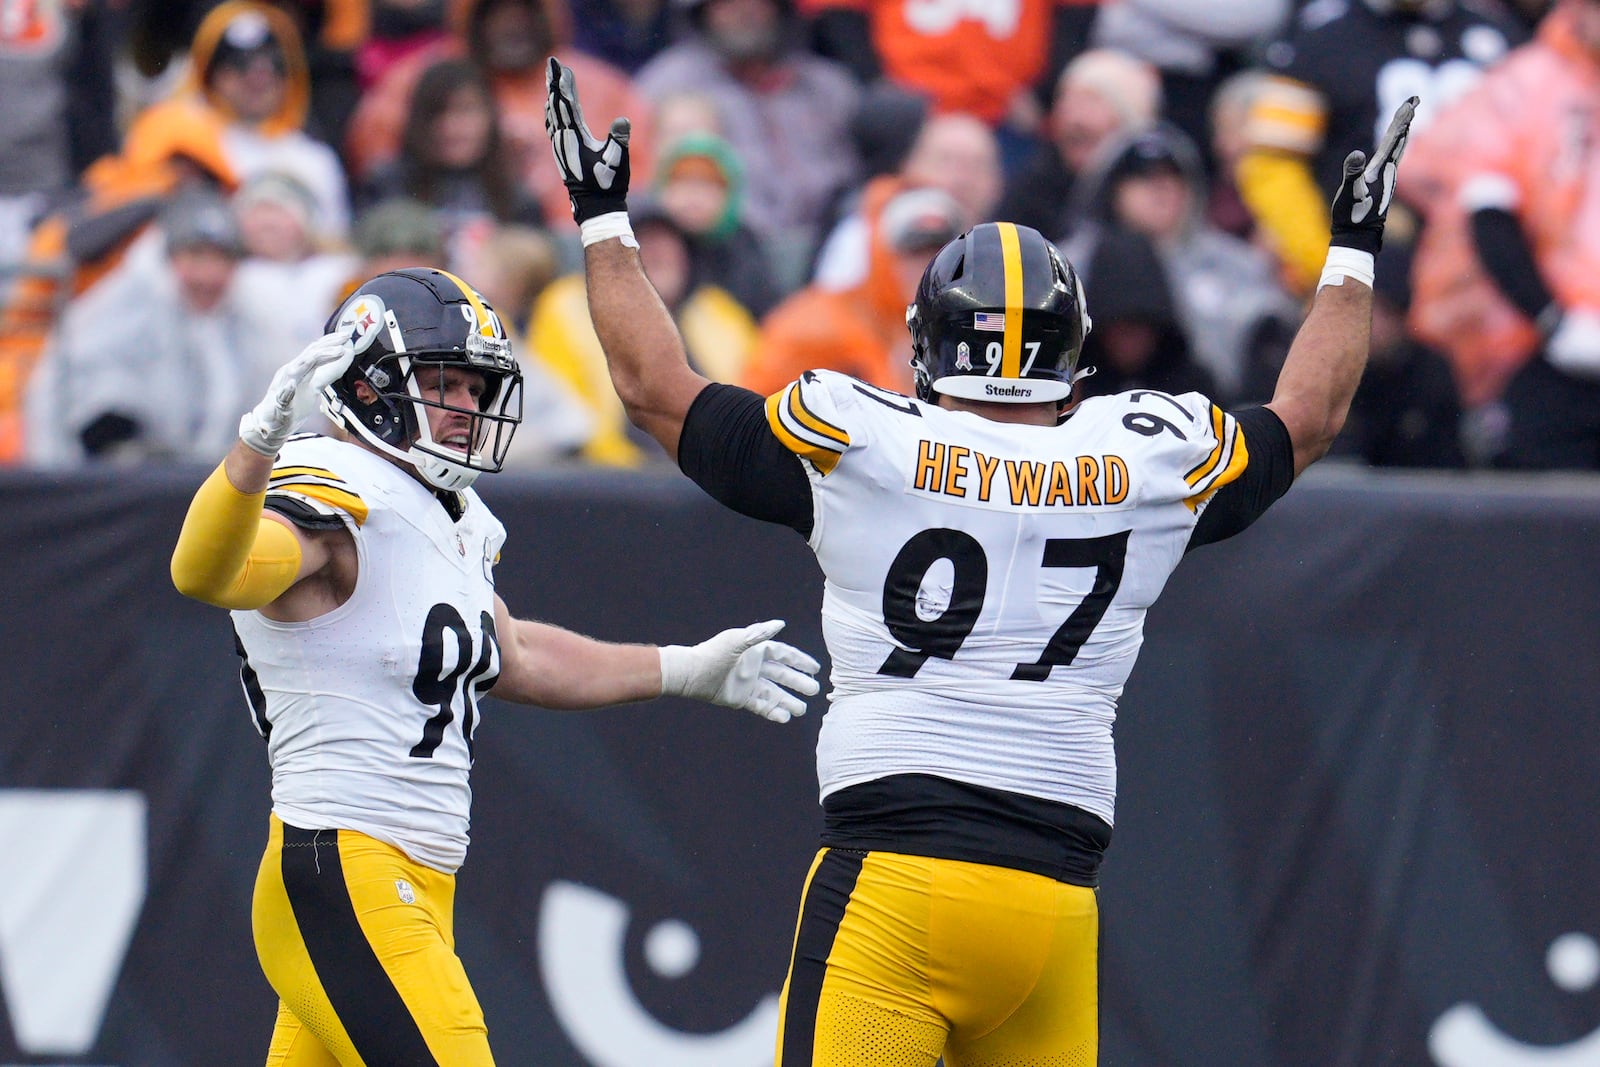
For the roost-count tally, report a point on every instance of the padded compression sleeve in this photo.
(228, 554)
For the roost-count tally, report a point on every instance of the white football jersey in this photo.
(987, 582)
(369, 710)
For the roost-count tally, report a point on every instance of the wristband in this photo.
(1345, 263)
(604, 227)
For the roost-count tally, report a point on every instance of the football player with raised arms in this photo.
(990, 549)
(360, 574)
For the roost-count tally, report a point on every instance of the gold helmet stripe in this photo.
(1011, 257)
(484, 319)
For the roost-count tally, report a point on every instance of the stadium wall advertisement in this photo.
(1360, 765)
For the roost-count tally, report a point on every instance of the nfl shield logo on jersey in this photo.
(406, 893)
(963, 356)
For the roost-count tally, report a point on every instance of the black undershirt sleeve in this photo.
(728, 449)
(1266, 477)
(1505, 253)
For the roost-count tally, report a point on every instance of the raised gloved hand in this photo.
(1365, 191)
(292, 396)
(1574, 345)
(595, 171)
(742, 668)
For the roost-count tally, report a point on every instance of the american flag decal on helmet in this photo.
(994, 321)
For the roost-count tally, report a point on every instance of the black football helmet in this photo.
(406, 324)
(999, 316)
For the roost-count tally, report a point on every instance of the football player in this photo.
(990, 549)
(360, 574)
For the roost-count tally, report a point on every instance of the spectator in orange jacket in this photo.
(861, 330)
(74, 248)
(1507, 275)
(248, 69)
(510, 40)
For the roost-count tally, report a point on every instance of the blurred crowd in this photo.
(188, 187)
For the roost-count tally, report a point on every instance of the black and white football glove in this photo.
(1367, 188)
(595, 171)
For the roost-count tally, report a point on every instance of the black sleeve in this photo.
(301, 514)
(1266, 477)
(1506, 255)
(728, 449)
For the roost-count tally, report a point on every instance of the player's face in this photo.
(458, 388)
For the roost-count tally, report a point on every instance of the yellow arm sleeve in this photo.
(229, 554)
(1283, 197)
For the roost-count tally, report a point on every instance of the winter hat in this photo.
(921, 220)
(705, 155)
(201, 220)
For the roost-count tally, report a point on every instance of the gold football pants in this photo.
(901, 959)
(357, 940)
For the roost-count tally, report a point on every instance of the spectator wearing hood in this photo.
(700, 183)
(719, 334)
(1227, 298)
(248, 69)
(510, 41)
(785, 111)
(155, 364)
(1136, 342)
(861, 330)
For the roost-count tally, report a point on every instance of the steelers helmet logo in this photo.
(362, 320)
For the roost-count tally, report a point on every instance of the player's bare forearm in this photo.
(1323, 368)
(247, 469)
(1324, 365)
(643, 348)
(566, 671)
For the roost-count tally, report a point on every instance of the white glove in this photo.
(1574, 347)
(742, 668)
(292, 397)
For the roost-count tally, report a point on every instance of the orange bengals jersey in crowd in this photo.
(1525, 139)
(968, 55)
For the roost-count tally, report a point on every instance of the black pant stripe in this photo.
(366, 1001)
(820, 915)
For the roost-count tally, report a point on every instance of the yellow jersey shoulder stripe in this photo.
(280, 473)
(1237, 458)
(803, 432)
(1196, 474)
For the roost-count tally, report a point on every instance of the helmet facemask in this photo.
(385, 396)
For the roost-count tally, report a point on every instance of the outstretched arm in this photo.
(1324, 364)
(643, 348)
(738, 668)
